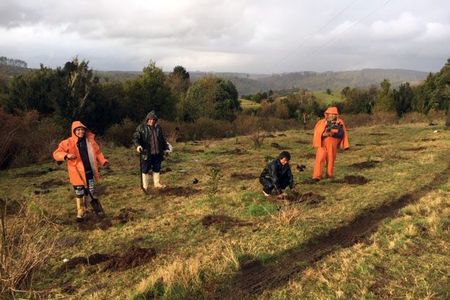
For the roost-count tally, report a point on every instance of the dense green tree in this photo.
(178, 81)
(403, 98)
(71, 89)
(358, 100)
(148, 92)
(210, 97)
(32, 91)
(384, 101)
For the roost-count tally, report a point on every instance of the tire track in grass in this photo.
(253, 279)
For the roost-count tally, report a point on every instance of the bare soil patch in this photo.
(127, 214)
(131, 258)
(354, 179)
(48, 184)
(119, 261)
(36, 173)
(222, 222)
(308, 197)
(92, 222)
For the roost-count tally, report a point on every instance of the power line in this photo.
(317, 31)
(329, 43)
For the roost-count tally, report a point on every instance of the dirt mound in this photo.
(118, 261)
(178, 191)
(278, 146)
(365, 164)
(308, 197)
(413, 149)
(90, 260)
(34, 173)
(353, 179)
(222, 222)
(281, 134)
(41, 192)
(243, 176)
(50, 184)
(92, 222)
(128, 214)
(131, 258)
(310, 181)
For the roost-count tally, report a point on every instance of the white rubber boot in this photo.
(80, 209)
(156, 182)
(145, 181)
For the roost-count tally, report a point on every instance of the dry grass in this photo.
(26, 244)
(196, 261)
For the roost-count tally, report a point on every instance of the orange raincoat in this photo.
(326, 147)
(75, 166)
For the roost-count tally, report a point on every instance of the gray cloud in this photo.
(248, 36)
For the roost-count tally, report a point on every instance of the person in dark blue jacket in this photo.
(277, 175)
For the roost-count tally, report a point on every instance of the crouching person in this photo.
(277, 175)
(150, 142)
(83, 155)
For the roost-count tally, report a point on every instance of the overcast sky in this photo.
(260, 36)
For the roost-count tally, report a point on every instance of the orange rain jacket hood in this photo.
(75, 166)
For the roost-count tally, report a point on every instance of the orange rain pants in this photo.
(326, 154)
(327, 148)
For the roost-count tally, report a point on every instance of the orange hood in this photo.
(75, 125)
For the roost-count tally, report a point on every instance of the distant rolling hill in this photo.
(326, 80)
(253, 83)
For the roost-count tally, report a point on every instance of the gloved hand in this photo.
(139, 149)
(169, 150)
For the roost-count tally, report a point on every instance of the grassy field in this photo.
(382, 234)
(247, 104)
(327, 99)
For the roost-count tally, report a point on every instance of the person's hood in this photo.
(151, 115)
(75, 125)
(332, 110)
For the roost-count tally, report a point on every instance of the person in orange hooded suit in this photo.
(83, 155)
(329, 134)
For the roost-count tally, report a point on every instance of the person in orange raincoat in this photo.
(329, 135)
(83, 155)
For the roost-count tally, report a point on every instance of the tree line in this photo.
(432, 94)
(72, 92)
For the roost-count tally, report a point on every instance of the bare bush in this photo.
(121, 134)
(26, 139)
